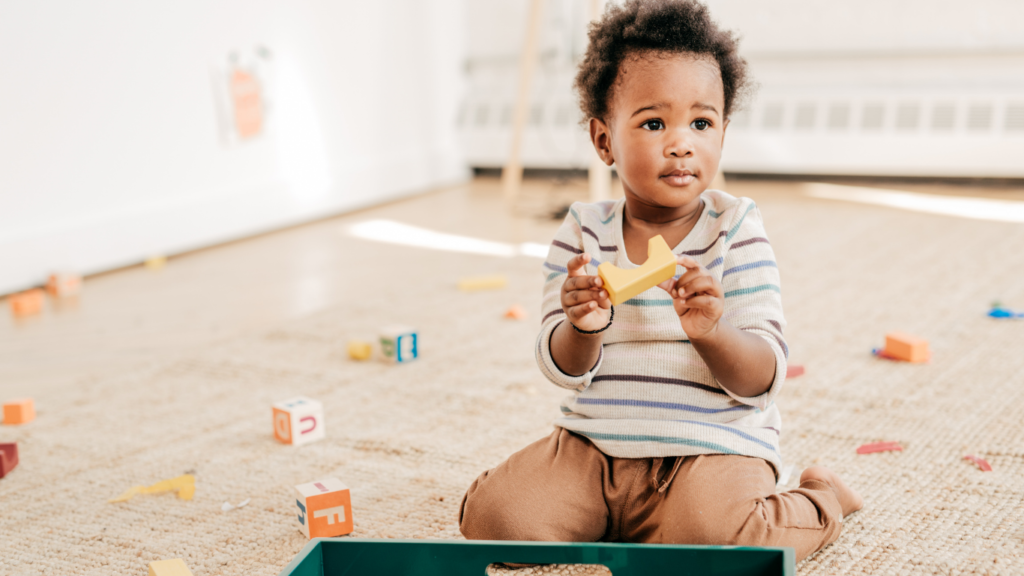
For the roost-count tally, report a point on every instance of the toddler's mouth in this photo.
(679, 178)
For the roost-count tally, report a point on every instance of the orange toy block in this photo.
(26, 303)
(64, 284)
(325, 508)
(625, 284)
(901, 346)
(20, 411)
(516, 312)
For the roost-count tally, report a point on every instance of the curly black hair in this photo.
(643, 26)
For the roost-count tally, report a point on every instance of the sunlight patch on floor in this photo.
(393, 232)
(960, 206)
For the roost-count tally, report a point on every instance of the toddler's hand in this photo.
(697, 297)
(585, 303)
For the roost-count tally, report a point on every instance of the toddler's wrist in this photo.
(707, 336)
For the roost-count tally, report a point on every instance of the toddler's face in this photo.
(666, 127)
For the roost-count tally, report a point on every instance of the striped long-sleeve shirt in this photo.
(650, 393)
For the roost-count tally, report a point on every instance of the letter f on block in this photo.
(330, 513)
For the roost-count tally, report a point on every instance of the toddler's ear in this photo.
(601, 138)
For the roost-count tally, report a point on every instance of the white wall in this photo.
(948, 75)
(111, 148)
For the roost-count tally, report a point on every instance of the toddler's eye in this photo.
(700, 124)
(653, 125)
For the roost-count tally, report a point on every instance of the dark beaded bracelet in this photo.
(610, 318)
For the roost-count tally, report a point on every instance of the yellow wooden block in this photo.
(625, 284)
(174, 567)
(359, 350)
(482, 283)
(155, 262)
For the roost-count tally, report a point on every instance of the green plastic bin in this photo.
(365, 557)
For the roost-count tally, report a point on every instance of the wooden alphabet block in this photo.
(625, 284)
(64, 284)
(325, 508)
(20, 411)
(26, 303)
(8, 458)
(176, 567)
(398, 344)
(299, 421)
(901, 346)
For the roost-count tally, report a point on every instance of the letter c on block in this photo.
(312, 425)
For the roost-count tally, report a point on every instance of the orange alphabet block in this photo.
(901, 346)
(325, 508)
(20, 411)
(26, 303)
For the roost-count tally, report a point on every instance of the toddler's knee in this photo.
(485, 515)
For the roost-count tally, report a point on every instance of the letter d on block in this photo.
(282, 426)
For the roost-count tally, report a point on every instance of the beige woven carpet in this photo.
(408, 440)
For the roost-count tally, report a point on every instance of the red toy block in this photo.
(8, 458)
(794, 370)
(981, 462)
(880, 447)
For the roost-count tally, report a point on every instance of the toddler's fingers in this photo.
(577, 297)
(706, 303)
(581, 283)
(700, 285)
(687, 262)
(576, 264)
(575, 313)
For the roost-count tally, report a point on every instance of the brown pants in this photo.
(564, 489)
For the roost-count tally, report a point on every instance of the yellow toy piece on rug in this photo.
(176, 567)
(625, 284)
(472, 284)
(184, 485)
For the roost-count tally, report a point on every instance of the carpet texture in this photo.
(408, 440)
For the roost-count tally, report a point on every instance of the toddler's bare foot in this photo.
(849, 500)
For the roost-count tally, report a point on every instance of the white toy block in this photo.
(325, 508)
(398, 344)
(299, 420)
(64, 284)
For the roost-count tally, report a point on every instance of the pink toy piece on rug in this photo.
(985, 466)
(880, 447)
(794, 370)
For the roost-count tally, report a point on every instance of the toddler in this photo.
(672, 433)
